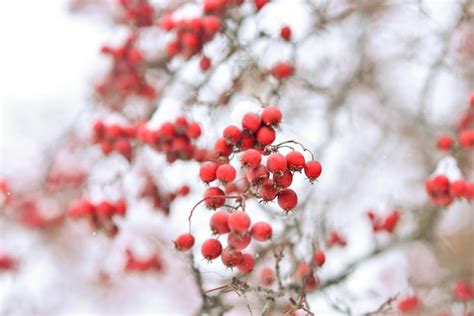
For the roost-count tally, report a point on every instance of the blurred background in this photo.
(375, 84)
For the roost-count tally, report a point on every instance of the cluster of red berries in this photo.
(409, 304)
(443, 192)
(387, 223)
(127, 76)
(240, 232)
(99, 215)
(138, 12)
(174, 139)
(114, 138)
(282, 70)
(267, 181)
(161, 200)
(463, 291)
(190, 34)
(133, 264)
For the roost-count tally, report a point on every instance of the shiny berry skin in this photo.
(285, 33)
(222, 147)
(184, 242)
(247, 265)
(284, 180)
(267, 276)
(276, 163)
(266, 135)
(211, 24)
(207, 171)
(287, 199)
(239, 222)
(226, 173)
(295, 161)
(261, 231)
(252, 122)
(445, 143)
(204, 63)
(238, 241)
(267, 191)
(312, 169)
(319, 258)
(214, 197)
(462, 291)
(251, 158)
(231, 257)
(219, 222)
(211, 249)
(271, 115)
(232, 134)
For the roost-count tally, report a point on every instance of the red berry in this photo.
(211, 249)
(462, 291)
(284, 180)
(466, 139)
(184, 242)
(251, 158)
(105, 209)
(312, 169)
(457, 188)
(303, 272)
(271, 115)
(211, 25)
(121, 208)
(260, 3)
(281, 70)
(261, 231)
(238, 241)
(226, 173)
(267, 276)
(222, 147)
(391, 221)
(232, 134)
(295, 161)
(239, 222)
(266, 135)
(247, 264)
(409, 304)
(287, 199)
(207, 172)
(204, 63)
(285, 33)
(231, 257)
(194, 130)
(469, 192)
(214, 197)
(319, 258)
(444, 143)
(247, 141)
(267, 191)
(258, 175)
(219, 222)
(276, 163)
(252, 122)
